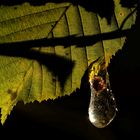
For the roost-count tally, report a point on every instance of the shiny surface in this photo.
(102, 107)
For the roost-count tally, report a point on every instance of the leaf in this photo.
(47, 72)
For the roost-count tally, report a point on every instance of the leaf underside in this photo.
(47, 72)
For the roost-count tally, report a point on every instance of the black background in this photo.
(66, 118)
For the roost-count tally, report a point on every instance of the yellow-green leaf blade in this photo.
(38, 73)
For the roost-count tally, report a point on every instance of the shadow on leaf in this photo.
(59, 66)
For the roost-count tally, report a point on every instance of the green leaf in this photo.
(47, 72)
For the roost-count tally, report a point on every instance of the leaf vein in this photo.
(68, 30)
(32, 14)
(27, 29)
(59, 19)
(82, 30)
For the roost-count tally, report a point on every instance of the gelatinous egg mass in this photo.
(102, 107)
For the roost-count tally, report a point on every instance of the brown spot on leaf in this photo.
(121, 14)
(12, 93)
(15, 8)
(67, 53)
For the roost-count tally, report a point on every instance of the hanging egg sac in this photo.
(102, 106)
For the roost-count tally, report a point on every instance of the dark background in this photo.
(66, 118)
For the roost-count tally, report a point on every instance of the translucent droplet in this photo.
(102, 107)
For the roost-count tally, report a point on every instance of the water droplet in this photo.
(102, 107)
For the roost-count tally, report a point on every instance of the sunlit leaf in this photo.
(47, 72)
